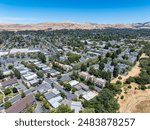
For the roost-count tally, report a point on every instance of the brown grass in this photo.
(142, 107)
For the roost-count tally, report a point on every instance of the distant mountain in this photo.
(69, 25)
(142, 25)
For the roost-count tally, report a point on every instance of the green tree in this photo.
(115, 72)
(23, 94)
(14, 90)
(10, 66)
(7, 91)
(101, 65)
(7, 104)
(40, 74)
(1, 74)
(67, 87)
(64, 109)
(16, 73)
(83, 67)
(42, 57)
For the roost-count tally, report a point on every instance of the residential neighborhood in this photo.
(53, 74)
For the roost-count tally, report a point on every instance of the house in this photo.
(89, 95)
(42, 88)
(80, 92)
(7, 72)
(100, 82)
(83, 86)
(8, 83)
(65, 78)
(63, 58)
(45, 69)
(74, 105)
(22, 69)
(21, 105)
(85, 75)
(55, 102)
(122, 67)
(96, 66)
(108, 67)
(29, 76)
(73, 83)
(53, 72)
(77, 87)
(51, 94)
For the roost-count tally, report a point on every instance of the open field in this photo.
(135, 101)
(143, 106)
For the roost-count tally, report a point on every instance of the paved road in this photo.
(18, 97)
(21, 85)
(38, 108)
(15, 99)
(60, 88)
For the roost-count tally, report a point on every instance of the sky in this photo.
(79, 11)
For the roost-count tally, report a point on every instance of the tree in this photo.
(23, 55)
(7, 104)
(46, 104)
(7, 91)
(83, 67)
(99, 57)
(64, 109)
(72, 57)
(23, 95)
(115, 72)
(40, 74)
(105, 102)
(10, 66)
(67, 87)
(101, 65)
(1, 74)
(88, 110)
(42, 57)
(130, 80)
(39, 96)
(14, 90)
(17, 74)
(62, 94)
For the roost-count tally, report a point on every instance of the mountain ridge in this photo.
(69, 25)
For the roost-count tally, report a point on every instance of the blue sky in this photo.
(94, 11)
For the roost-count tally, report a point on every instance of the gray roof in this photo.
(78, 87)
(49, 95)
(80, 92)
(84, 87)
(65, 78)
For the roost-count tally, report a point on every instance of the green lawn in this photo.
(1, 98)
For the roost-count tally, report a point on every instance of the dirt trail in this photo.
(134, 100)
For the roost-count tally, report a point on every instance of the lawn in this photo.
(1, 98)
(11, 94)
